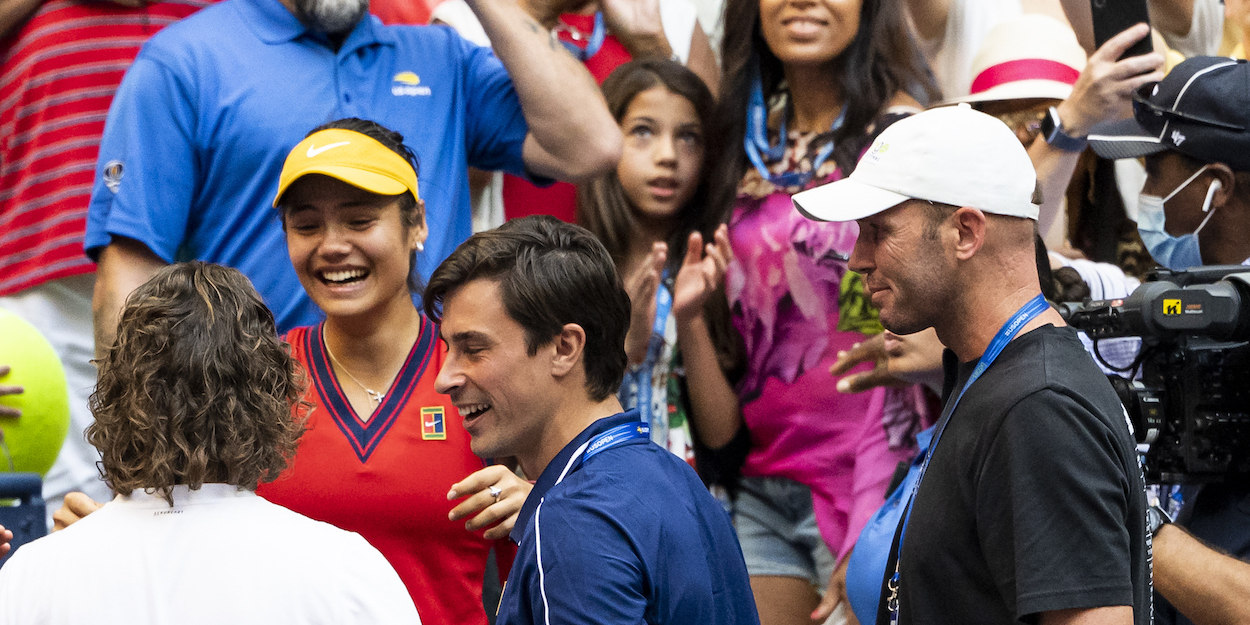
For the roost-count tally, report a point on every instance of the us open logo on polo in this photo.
(113, 171)
(408, 83)
(432, 424)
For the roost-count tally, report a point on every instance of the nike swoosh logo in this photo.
(313, 150)
(430, 424)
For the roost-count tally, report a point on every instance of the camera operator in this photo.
(1193, 129)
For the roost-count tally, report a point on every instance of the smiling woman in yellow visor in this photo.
(382, 448)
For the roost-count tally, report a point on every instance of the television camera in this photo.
(1191, 402)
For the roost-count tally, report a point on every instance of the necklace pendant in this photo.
(375, 396)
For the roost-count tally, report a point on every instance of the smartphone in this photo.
(1112, 17)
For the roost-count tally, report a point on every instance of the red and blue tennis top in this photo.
(387, 477)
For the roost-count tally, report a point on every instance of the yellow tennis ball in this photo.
(34, 439)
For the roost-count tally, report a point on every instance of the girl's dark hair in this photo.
(410, 208)
(602, 206)
(1064, 284)
(604, 209)
(197, 388)
(880, 62)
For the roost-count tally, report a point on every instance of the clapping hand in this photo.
(641, 285)
(702, 272)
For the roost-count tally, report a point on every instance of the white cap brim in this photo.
(845, 200)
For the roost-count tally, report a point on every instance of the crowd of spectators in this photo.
(336, 152)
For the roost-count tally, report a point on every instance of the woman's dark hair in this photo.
(602, 206)
(197, 388)
(410, 208)
(550, 273)
(1064, 284)
(880, 61)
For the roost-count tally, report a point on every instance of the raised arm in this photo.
(639, 27)
(14, 13)
(1174, 17)
(124, 265)
(714, 407)
(571, 134)
(1103, 92)
(929, 17)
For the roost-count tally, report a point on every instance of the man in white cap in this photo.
(1031, 505)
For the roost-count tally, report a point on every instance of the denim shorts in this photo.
(777, 529)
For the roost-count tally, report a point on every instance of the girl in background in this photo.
(807, 86)
(652, 216)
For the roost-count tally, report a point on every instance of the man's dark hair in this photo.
(197, 388)
(550, 274)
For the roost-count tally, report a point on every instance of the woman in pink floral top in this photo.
(807, 85)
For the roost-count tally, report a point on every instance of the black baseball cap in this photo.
(1200, 109)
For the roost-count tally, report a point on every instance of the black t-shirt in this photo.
(1034, 499)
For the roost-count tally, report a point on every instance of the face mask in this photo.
(1175, 253)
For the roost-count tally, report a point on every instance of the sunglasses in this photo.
(1026, 124)
(1148, 113)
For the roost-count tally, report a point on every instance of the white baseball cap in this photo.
(951, 155)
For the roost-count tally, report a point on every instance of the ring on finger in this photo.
(494, 491)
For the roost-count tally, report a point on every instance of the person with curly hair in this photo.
(198, 402)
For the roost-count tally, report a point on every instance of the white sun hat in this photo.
(951, 155)
(1032, 56)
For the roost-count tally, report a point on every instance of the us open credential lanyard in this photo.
(643, 375)
(593, 44)
(1027, 313)
(614, 437)
(755, 140)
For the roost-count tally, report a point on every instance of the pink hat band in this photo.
(1023, 69)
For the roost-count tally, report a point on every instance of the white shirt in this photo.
(219, 555)
(1106, 281)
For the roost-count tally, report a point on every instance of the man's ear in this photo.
(569, 344)
(1228, 183)
(970, 227)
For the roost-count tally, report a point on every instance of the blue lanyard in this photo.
(593, 44)
(643, 375)
(1027, 313)
(758, 148)
(615, 437)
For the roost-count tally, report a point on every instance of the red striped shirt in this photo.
(60, 71)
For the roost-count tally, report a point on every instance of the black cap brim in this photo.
(1124, 139)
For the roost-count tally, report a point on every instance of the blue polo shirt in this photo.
(203, 120)
(630, 535)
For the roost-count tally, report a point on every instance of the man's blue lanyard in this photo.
(756, 139)
(1027, 313)
(593, 44)
(615, 437)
